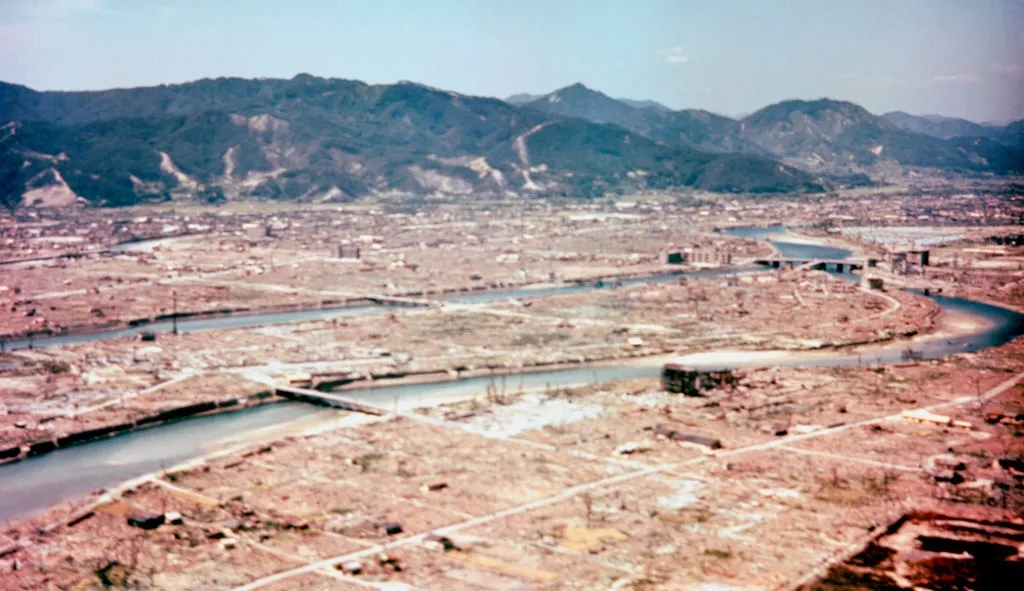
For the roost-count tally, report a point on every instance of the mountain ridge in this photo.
(822, 136)
(313, 138)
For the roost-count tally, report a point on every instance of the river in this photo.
(33, 484)
(267, 319)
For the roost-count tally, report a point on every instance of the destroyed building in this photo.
(347, 251)
(688, 380)
(698, 256)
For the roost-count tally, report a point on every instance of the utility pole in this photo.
(174, 315)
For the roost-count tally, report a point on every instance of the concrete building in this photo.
(347, 251)
(683, 379)
(698, 256)
(257, 231)
(909, 262)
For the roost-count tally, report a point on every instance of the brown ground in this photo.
(554, 506)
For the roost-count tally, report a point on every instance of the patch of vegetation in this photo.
(879, 486)
(843, 578)
(56, 367)
(838, 491)
(113, 575)
(367, 461)
(687, 516)
(496, 392)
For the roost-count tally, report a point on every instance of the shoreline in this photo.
(17, 453)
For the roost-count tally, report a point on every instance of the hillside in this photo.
(522, 98)
(644, 104)
(838, 136)
(823, 136)
(939, 126)
(326, 139)
(692, 129)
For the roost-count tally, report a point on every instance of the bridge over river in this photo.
(839, 265)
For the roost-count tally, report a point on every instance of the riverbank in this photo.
(385, 375)
(164, 323)
(206, 408)
(502, 381)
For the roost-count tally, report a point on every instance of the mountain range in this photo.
(316, 139)
(822, 136)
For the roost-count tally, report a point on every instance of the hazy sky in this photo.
(962, 58)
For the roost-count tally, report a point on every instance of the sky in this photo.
(961, 58)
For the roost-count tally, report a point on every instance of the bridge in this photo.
(400, 301)
(319, 398)
(839, 265)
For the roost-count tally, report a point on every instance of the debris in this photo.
(1012, 464)
(684, 379)
(507, 568)
(804, 429)
(173, 517)
(145, 520)
(632, 448)
(81, 518)
(583, 538)
(299, 378)
(440, 542)
(391, 562)
(671, 434)
(926, 417)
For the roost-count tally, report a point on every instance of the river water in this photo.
(267, 319)
(31, 485)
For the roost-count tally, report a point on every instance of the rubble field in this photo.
(576, 488)
(829, 478)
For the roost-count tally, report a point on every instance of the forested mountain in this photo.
(317, 139)
(328, 139)
(822, 136)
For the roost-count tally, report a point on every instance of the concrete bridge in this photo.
(839, 265)
(400, 301)
(325, 399)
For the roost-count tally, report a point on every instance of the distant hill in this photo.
(823, 136)
(939, 126)
(1012, 134)
(522, 98)
(318, 139)
(838, 136)
(692, 129)
(646, 104)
